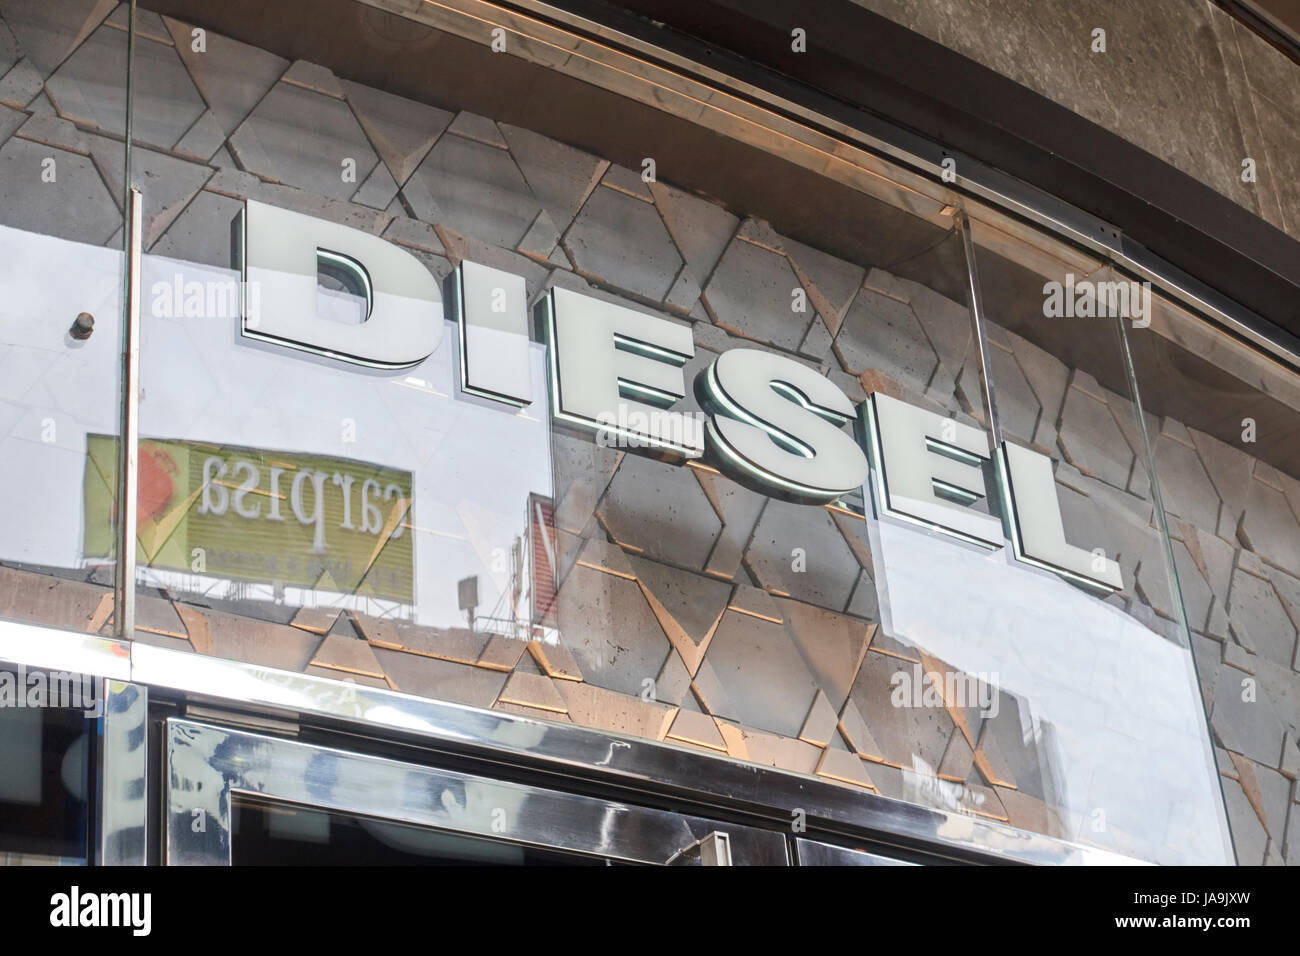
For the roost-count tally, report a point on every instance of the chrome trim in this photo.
(122, 821)
(208, 766)
(711, 850)
(59, 650)
(815, 853)
(707, 780)
(128, 442)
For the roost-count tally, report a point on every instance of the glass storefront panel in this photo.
(1225, 431)
(643, 590)
(47, 734)
(488, 383)
(326, 500)
(62, 123)
(1112, 732)
(270, 834)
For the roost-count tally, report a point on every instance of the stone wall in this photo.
(1182, 79)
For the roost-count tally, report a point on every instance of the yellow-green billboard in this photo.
(282, 518)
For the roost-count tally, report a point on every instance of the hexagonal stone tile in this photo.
(948, 327)
(48, 32)
(1269, 527)
(1248, 834)
(1049, 378)
(402, 130)
(865, 602)
(478, 190)
(10, 54)
(883, 334)
(1004, 754)
(168, 184)
(1092, 440)
(621, 241)
(740, 509)
(43, 207)
(238, 638)
(1213, 556)
(1184, 485)
(1250, 727)
(231, 76)
(191, 235)
(1018, 407)
(700, 229)
(1154, 586)
(761, 673)
(582, 471)
(1231, 470)
(560, 176)
(832, 646)
(688, 605)
(830, 570)
(607, 624)
(1288, 589)
(1255, 608)
(832, 282)
(660, 510)
(90, 88)
(301, 137)
(593, 706)
(750, 294)
(1274, 792)
(905, 734)
(445, 680)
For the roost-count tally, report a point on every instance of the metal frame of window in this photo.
(208, 767)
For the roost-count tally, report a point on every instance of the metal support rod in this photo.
(127, 471)
(975, 300)
(127, 474)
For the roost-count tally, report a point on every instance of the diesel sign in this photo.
(772, 422)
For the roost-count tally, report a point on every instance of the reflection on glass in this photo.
(61, 240)
(381, 526)
(282, 483)
(1101, 736)
(46, 733)
(1224, 429)
(279, 834)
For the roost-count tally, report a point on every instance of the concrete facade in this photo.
(1182, 79)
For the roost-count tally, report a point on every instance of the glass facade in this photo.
(47, 733)
(1052, 630)
(62, 191)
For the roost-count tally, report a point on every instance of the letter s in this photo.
(778, 423)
